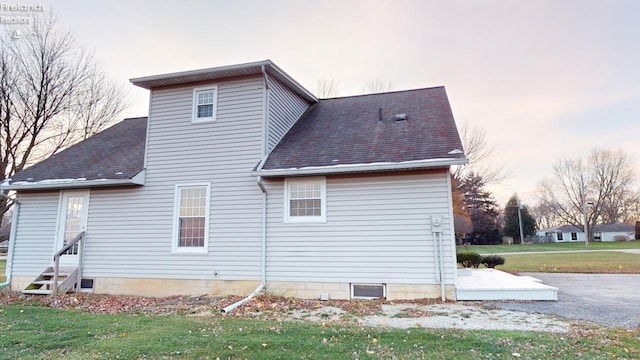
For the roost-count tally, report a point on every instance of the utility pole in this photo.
(586, 222)
(520, 223)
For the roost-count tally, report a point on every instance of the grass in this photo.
(497, 249)
(46, 333)
(606, 262)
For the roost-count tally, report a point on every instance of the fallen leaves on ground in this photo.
(262, 306)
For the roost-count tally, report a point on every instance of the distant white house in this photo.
(604, 232)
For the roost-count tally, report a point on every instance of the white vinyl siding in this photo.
(378, 230)
(305, 200)
(220, 153)
(36, 232)
(285, 108)
(205, 104)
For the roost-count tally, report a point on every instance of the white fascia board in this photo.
(138, 179)
(355, 168)
(147, 81)
(219, 73)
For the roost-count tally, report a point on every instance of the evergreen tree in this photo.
(511, 221)
(482, 208)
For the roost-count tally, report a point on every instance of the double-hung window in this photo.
(305, 200)
(205, 104)
(191, 223)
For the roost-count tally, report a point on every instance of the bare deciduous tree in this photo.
(328, 88)
(479, 152)
(52, 94)
(544, 217)
(377, 86)
(600, 181)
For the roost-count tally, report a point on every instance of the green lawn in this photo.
(607, 262)
(46, 333)
(495, 249)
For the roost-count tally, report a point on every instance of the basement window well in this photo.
(368, 291)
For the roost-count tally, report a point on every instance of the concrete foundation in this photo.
(303, 290)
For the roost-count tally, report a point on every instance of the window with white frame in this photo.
(204, 104)
(305, 200)
(574, 236)
(191, 226)
(560, 237)
(597, 236)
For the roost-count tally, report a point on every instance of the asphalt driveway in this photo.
(611, 300)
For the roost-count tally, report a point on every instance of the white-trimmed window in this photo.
(205, 104)
(191, 224)
(305, 200)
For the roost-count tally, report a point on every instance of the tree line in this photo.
(599, 188)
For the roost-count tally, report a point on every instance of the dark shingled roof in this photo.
(597, 228)
(348, 130)
(115, 153)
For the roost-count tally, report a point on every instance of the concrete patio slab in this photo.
(491, 284)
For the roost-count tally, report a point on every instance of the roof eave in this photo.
(360, 168)
(137, 179)
(219, 73)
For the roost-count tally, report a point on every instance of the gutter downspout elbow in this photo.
(230, 308)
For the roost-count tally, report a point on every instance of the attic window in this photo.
(204, 104)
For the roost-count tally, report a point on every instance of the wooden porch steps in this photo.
(43, 284)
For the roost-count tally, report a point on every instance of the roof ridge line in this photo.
(384, 93)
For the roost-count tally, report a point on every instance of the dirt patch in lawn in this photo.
(425, 313)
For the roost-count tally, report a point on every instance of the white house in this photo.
(241, 179)
(604, 232)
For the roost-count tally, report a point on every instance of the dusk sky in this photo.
(545, 79)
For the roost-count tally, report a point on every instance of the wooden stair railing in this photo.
(56, 262)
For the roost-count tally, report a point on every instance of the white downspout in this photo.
(436, 258)
(263, 277)
(443, 296)
(12, 240)
(436, 224)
